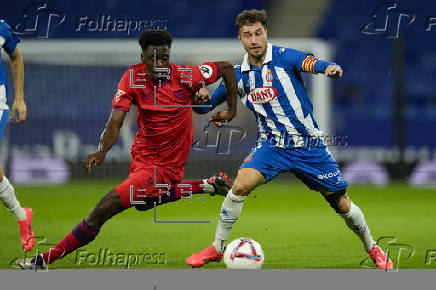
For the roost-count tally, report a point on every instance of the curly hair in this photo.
(249, 17)
(154, 37)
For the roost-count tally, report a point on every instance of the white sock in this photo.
(229, 214)
(356, 222)
(207, 188)
(8, 198)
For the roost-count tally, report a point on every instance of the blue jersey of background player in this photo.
(270, 85)
(8, 42)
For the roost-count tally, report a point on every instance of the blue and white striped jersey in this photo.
(8, 41)
(276, 94)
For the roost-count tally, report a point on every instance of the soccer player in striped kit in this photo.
(9, 41)
(270, 85)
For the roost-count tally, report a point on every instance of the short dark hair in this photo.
(249, 17)
(154, 37)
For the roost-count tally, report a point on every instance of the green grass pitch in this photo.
(295, 226)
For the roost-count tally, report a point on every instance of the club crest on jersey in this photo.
(179, 94)
(269, 76)
(262, 95)
(206, 70)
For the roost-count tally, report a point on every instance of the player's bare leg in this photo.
(84, 233)
(108, 206)
(247, 180)
(355, 220)
(22, 215)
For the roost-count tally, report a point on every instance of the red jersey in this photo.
(165, 133)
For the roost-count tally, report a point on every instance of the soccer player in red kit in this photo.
(163, 93)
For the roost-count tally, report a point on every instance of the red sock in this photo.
(195, 188)
(80, 236)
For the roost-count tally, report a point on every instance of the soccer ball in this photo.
(243, 253)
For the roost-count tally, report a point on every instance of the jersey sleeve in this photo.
(123, 97)
(8, 39)
(305, 62)
(198, 76)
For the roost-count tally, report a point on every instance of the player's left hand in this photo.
(222, 117)
(333, 71)
(19, 106)
(95, 158)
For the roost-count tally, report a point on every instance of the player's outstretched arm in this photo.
(304, 62)
(107, 139)
(227, 72)
(17, 68)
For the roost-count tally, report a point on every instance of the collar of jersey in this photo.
(245, 66)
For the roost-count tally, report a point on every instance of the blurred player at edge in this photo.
(9, 41)
(162, 142)
(270, 84)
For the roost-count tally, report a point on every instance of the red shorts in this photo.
(145, 183)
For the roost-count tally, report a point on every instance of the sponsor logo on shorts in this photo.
(329, 175)
(262, 95)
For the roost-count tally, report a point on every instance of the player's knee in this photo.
(344, 204)
(335, 200)
(1, 174)
(240, 189)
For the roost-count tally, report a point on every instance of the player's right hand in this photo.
(201, 96)
(95, 158)
(18, 108)
(222, 117)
